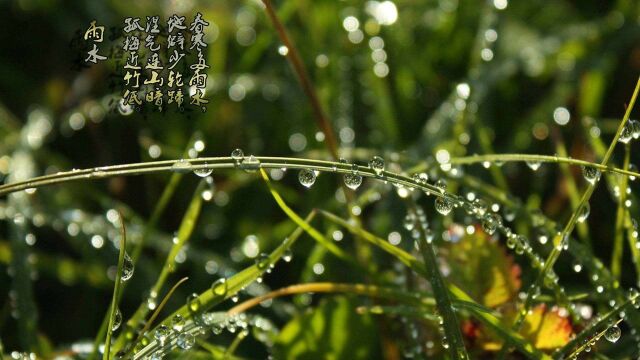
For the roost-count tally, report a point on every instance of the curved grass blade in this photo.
(106, 355)
(315, 234)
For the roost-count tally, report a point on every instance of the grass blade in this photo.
(106, 355)
(451, 326)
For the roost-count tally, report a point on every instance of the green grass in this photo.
(447, 164)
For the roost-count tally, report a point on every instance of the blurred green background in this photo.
(388, 75)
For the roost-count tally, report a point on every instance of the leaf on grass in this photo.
(482, 267)
(546, 328)
(333, 330)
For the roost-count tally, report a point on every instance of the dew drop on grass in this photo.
(627, 134)
(584, 212)
(287, 255)
(237, 155)
(352, 181)
(185, 341)
(262, 262)
(193, 303)
(117, 320)
(409, 222)
(591, 174)
(162, 334)
(250, 164)
(307, 177)
(181, 166)
(634, 168)
(534, 165)
(490, 223)
(203, 172)
(127, 267)
(635, 128)
(613, 333)
(219, 287)
(377, 165)
(443, 205)
(441, 185)
(577, 266)
(177, 323)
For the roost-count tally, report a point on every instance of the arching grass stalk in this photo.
(329, 287)
(106, 355)
(502, 158)
(561, 239)
(215, 163)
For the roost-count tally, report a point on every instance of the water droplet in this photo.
(441, 185)
(181, 166)
(127, 267)
(262, 262)
(613, 333)
(480, 207)
(635, 128)
(443, 205)
(219, 287)
(203, 172)
(250, 164)
(117, 320)
(185, 341)
(577, 266)
(534, 165)
(162, 334)
(307, 177)
(287, 255)
(591, 174)
(490, 223)
(409, 222)
(627, 134)
(177, 323)
(237, 155)
(377, 165)
(584, 212)
(634, 168)
(193, 303)
(352, 181)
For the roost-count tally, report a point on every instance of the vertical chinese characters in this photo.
(154, 80)
(175, 52)
(131, 45)
(198, 81)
